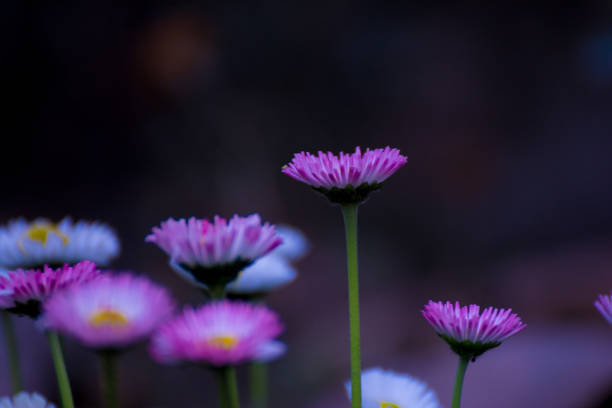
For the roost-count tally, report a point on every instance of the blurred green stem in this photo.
(108, 364)
(349, 212)
(60, 370)
(461, 368)
(12, 352)
(259, 384)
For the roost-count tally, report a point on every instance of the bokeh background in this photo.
(132, 112)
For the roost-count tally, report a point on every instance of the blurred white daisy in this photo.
(25, 400)
(275, 269)
(387, 389)
(32, 244)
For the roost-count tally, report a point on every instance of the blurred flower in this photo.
(468, 332)
(24, 290)
(34, 244)
(111, 312)
(295, 244)
(387, 389)
(273, 270)
(219, 333)
(214, 253)
(347, 178)
(25, 400)
(270, 351)
(604, 305)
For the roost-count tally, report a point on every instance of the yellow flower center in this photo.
(385, 404)
(108, 317)
(225, 342)
(40, 232)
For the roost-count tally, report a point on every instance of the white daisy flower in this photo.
(387, 389)
(273, 270)
(26, 244)
(25, 400)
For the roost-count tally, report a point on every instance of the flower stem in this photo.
(259, 385)
(349, 211)
(108, 365)
(60, 370)
(12, 352)
(229, 386)
(217, 292)
(463, 363)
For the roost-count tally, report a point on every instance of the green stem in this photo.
(232, 387)
(228, 387)
(12, 352)
(222, 389)
(349, 211)
(108, 365)
(259, 385)
(60, 370)
(216, 292)
(463, 363)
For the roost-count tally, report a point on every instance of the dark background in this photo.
(131, 112)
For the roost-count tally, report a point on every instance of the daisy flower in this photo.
(22, 291)
(273, 270)
(387, 389)
(469, 332)
(110, 313)
(346, 178)
(219, 334)
(213, 253)
(25, 400)
(604, 305)
(33, 244)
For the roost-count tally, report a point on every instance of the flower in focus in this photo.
(40, 242)
(213, 253)
(220, 334)
(346, 178)
(22, 291)
(25, 400)
(604, 305)
(111, 312)
(468, 332)
(387, 389)
(274, 269)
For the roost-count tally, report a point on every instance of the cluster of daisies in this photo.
(51, 275)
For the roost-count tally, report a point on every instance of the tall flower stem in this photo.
(463, 363)
(12, 353)
(259, 385)
(349, 211)
(60, 370)
(228, 387)
(109, 377)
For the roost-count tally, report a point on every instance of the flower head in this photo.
(274, 269)
(215, 252)
(219, 334)
(347, 178)
(25, 400)
(387, 389)
(22, 291)
(468, 332)
(110, 313)
(40, 242)
(604, 305)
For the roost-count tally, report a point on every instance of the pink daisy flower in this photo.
(220, 334)
(467, 331)
(604, 305)
(112, 312)
(24, 290)
(213, 253)
(347, 178)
